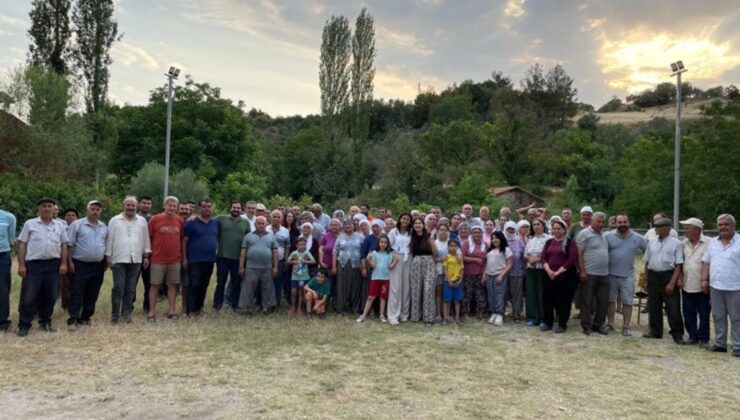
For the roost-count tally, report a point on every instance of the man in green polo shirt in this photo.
(232, 228)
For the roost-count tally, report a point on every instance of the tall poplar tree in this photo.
(334, 70)
(363, 74)
(49, 34)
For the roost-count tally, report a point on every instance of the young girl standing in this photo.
(441, 242)
(382, 262)
(453, 287)
(498, 264)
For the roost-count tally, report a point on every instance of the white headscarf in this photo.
(471, 243)
(507, 225)
(309, 240)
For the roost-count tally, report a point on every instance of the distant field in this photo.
(227, 366)
(689, 110)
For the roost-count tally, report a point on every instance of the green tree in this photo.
(363, 74)
(334, 70)
(49, 34)
(454, 107)
(49, 97)
(242, 186)
(183, 184)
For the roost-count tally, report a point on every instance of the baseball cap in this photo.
(587, 209)
(693, 221)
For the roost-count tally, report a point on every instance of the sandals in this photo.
(173, 317)
(151, 318)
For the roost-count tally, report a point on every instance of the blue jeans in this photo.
(496, 294)
(5, 264)
(125, 277)
(227, 269)
(39, 292)
(696, 304)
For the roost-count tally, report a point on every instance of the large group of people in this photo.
(430, 268)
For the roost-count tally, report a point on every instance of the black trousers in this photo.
(200, 277)
(84, 290)
(5, 266)
(656, 283)
(594, 301)
(557, 296)
(39, 292)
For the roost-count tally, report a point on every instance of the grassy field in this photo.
(226, 366)
(689, 110)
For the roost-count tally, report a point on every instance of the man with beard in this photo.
(624, 246)
(232, 229)
(127, 250)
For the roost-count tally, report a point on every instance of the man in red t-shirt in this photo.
(165, 231)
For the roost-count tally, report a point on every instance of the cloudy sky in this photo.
(266, 52)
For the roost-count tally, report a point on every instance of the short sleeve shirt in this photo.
(323, 289)
(300, 270)
(453, 267)
(622, 252)
(470, 249)
(724, 264)
(347, 248)
(43, 240)
(87, 240)
(496, 261)
(7, 230)
(231, 234)
(165, 233)
(664, 255)
(382, 269)
(202, 240)
(595, 251)
(282, 236)
(259, 249)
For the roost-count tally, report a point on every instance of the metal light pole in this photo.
(171, 75)
(677, 69)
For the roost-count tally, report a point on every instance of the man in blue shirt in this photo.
(624, 246)
(7, 239)
(199, 246)
(86, 264)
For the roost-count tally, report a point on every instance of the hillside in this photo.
(690, 110)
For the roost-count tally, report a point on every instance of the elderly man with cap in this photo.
(42, 257)
(86, 264)
(593, 263)
(322, 219)
(720, 276)
(663, 262)
(624, 246)
(7, 239)
(127, 251)
(281, 282)
(695, 302)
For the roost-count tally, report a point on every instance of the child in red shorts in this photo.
(382, 262)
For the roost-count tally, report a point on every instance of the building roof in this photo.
(503, 190)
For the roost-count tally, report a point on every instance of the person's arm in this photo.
(522, 212)
(677, 272)
(185, 240)
(394, 261)
(242, 261)
(363, 267)
(571, 259)
(72, 237)
(370, 261)
(334, 264)
(310, 260)
(22, 259)
(64, 256)
(582, 265)
(704, 277)
(543, 212)
(274, 262)
(321, 255)
(147, 246)
(509, 264)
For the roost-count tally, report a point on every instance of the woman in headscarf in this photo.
(423, 276)
(390, 224)
(559, 257)
(339, 215)
(474, 256)
(443, 236)
(399, 291)
(515, 292)
(463, 232)
(430, 224)
(364, 227)
(326, 250)
(346, 266)
(535, 273)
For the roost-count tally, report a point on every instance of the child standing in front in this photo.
(499, 260)
(300, 259)
(382, 262)
(453, 287)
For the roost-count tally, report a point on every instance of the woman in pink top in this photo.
(474, 257)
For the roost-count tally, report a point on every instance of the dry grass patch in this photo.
(227, 366)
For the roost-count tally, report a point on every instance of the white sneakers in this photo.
(497, 320)
(492, 319)
(383, 319)
(361, 319)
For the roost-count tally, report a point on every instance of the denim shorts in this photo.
(452, 294)
(297, 284)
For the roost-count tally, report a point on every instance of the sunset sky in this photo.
(266, 52)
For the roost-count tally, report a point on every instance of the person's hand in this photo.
(500, 279)
(145, 264)
(679, 283)
(669, 289)
(482, 282)
(241, 271)
(583, 276)
(62, 269)
(324, 266)
(334, 270)
(364, 272)
(185, 263)
(108, 263)
(704, 286)
(70, 267)
(274, 272)
(22, 271)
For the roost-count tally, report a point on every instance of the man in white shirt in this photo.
(42, 258)
(720, 275)
(127, 251)
(663, 262)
